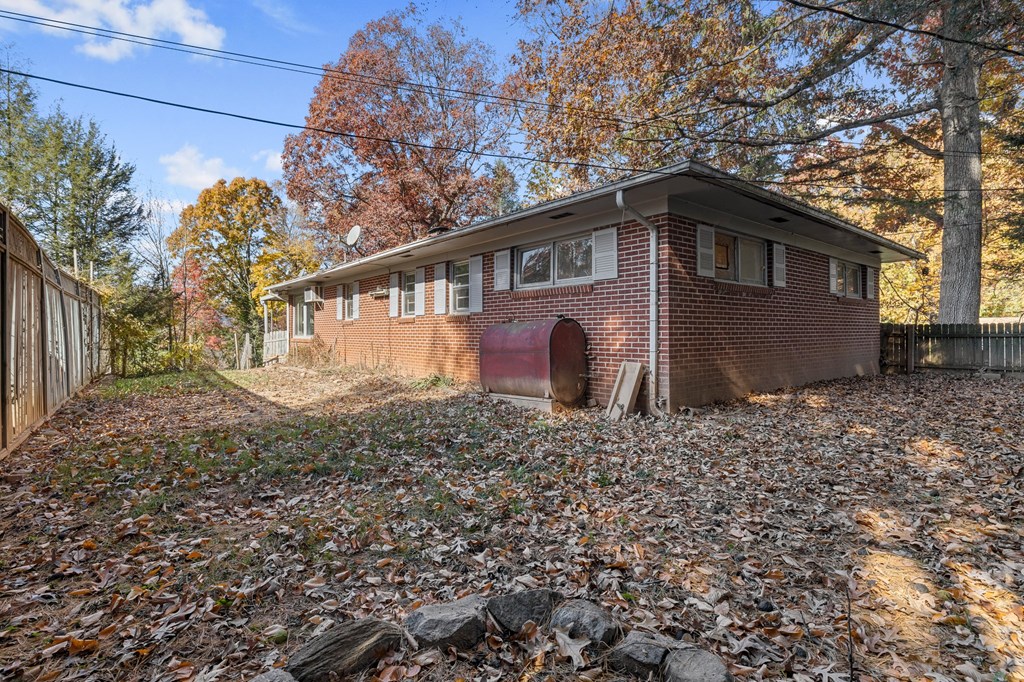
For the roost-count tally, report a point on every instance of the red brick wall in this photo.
(730, 339)
(613, 314)
(717, 340)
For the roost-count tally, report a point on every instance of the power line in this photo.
(327, 131)
(412, 86)
(296, 67)
(907, 29)
(422, 145)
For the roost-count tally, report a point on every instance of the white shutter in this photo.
(288, 317)
(833, 285)
(339, 303)
(440, 288)
(476, 284)
(606, 253)
(705, 251)
(393, 310)
(354, 292)
(502, 280)
(871, 283)
(421, 291)
(779, 264)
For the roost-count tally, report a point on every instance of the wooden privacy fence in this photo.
(50, 345)
(993, 347)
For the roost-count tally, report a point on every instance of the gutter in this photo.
(690, 169)
(652, 352)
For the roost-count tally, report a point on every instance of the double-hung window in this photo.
(566, 261)
(350, 295)
(303, 317)
(847, 283)
(409, 293)
(460, 287)
(739, 259)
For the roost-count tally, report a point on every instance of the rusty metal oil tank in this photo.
(537, 359)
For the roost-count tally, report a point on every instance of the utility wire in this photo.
(412, 86)
(296, 67)
(327, 131)
(457, 150)
(907, 29)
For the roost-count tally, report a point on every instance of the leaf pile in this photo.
(203, 527)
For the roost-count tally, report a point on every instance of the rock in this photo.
(765, 605)
(459, 624)
(694, 665)
(581, 618)
(343, 650)
(512, 611)
(275, 675)
(642, 653)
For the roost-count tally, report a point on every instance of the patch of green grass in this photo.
(434, 381)
(169, 382)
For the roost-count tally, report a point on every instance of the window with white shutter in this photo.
(393, 295)
(421, 292)
(871, 283)
(502, 270)
(440, 288)
(779, 264)
(705, 251)
(845, 278)
(606, 253)
(476, 284)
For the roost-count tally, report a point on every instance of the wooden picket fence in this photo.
(275, 344)
(991, 347)
(50, 337)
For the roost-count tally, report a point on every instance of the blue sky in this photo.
(177, 152)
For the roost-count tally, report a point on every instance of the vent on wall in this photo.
(561, 215)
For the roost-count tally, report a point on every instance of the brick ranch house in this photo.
(721, 286)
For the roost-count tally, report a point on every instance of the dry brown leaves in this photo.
(206, 529)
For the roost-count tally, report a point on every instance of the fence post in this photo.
(911, 347)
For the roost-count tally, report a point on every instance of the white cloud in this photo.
(188, 167)
(283, 17)
(168, 19)
(170, 208)
(271, 160)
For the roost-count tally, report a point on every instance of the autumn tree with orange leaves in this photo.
(382, 151)
(811, 97)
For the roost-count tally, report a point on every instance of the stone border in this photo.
(359, 645)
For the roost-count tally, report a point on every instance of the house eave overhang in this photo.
(687, 177)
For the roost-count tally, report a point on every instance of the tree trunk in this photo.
(960, 284)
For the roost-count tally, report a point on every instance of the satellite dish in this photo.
(353, 235)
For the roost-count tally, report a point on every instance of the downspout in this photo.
(652, 359)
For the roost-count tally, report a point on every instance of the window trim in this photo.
(407, 296)
(553, 280)
(738, 240)
(309, 328)
(846, 267)
(348, 303)
(453, 287)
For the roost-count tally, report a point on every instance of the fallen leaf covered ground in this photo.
(204, 526)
